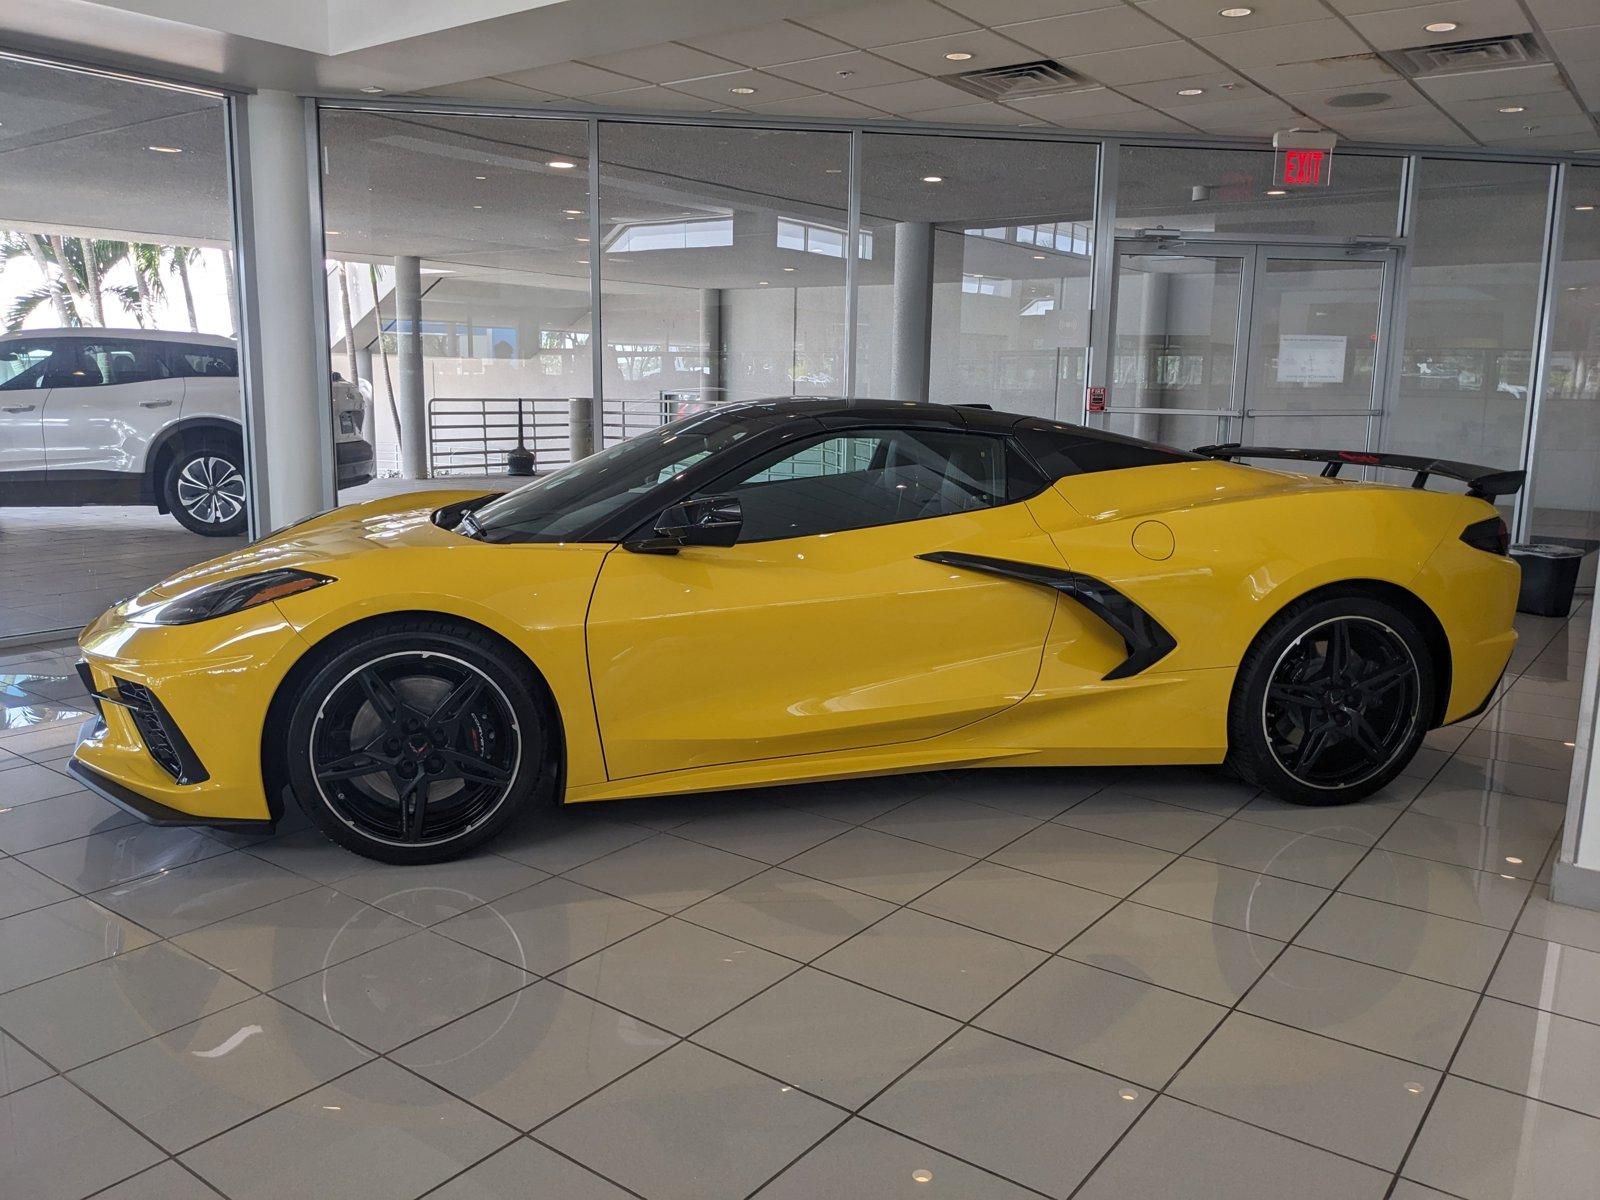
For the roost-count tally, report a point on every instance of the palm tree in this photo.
(15, 243)
(180, 258)
(146, 291)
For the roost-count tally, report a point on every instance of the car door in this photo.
(821, 629)
(24, 364)
(106, 405)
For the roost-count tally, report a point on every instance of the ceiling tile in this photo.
(1422, 124)
(1577, 48)
(982, 113)
(1088, 32)
(1479, 85)
(1255, 117)
(489, 88)
(845, 72)
(1398, 94)
(1551, 15)
(1352, 71)
(988, 49)
(780, 42)
(1402, 27)
(664, 63)
(1307, 41)
(1213, 87)
(1169, 60)
(1081, 107)
(1201, 18)
(1144, 120)
(819, 105)
(767, 87)
(654, 98)
(880, 24)
(571, 79)
(1524, 125)
(1004, 12)
(1543, 145)
(917, 95)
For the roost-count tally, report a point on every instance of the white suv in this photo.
(130, 416)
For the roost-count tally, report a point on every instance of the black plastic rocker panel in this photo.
(1146, 641)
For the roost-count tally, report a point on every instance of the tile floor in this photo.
(1086, 984)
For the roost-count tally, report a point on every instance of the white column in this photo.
(289, 432)
(1576, 879)
(913, 310)
(408, 383)
(711, 338)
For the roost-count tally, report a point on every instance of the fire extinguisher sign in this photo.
(1097, 399)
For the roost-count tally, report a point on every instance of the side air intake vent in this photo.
(1020, 81)
(1479, 54)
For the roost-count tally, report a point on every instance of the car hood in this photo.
(323, 542)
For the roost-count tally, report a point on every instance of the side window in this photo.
(866, 478)
(24, 365)
(113, 361)
(202, 362)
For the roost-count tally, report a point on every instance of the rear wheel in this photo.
(418, 741)
(204, 488)
(1332, 700)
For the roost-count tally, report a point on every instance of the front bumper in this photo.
(151, 812)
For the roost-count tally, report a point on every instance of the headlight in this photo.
(231, 596)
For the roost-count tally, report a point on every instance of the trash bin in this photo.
(1549, 574)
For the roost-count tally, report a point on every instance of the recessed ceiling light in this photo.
(1583, 208)
(1236, 12)
(560, 164)
(583, 262)
(573, 212)
(1276, 192)
(1513, 860)
(1441, 26)
(761, 283)
(922, 1175)
(477, 206)
(581, 239)
(933, 179)
(1191, 91)
(743, 91)
(1039, 256)
(1514, 108)
(480, 177)
(372, 89)
(958, 56)
(788, 268)
(166, 149)
(331, 232)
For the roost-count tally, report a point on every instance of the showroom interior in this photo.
(368, 249)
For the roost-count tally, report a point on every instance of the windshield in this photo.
(563, 505)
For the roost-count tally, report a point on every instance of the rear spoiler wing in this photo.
(1482, 482)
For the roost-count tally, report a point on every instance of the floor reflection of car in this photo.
(131, 416)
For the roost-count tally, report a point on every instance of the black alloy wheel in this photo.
(1332, 700)
(415, 747)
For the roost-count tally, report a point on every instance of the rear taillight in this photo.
(1490, 535)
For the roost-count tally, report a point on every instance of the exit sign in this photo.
(1302, 167)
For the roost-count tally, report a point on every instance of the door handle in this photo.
(16, 408)
(155, 404)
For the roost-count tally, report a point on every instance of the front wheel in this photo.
(417, 742)
(1332, 700)
(204, 488)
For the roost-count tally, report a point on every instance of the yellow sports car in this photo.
(797, 590)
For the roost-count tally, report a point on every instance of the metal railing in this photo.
(622, 419)
(476, 435)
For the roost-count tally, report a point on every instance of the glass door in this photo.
(1178, 324)
(1262, 344)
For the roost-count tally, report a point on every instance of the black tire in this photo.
(1332, 700)
(203, 486)
(458, 736)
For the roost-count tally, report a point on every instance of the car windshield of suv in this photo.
(564, 504)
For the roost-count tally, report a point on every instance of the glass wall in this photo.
(1011, 227)
(121, 444)
(722, 266)
(1566, 466)
(1471, 310)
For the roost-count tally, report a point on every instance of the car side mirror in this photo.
(699, 521)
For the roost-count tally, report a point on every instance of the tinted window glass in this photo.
(23, 365)
(93, 363)
(202, 362)
(1062, 450)
(866, 478)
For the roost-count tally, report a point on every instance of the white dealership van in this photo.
(132, 416)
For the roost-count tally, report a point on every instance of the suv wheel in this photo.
(204, 488)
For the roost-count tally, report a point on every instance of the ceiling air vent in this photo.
(1020, 81)
(1480, 54)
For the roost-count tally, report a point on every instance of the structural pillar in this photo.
(714, 389)
(408, 370)
(1576, 878)
(913, 311)
(283, 330)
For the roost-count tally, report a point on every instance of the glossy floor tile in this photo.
(976, 984)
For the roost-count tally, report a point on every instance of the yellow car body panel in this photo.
(827, 656)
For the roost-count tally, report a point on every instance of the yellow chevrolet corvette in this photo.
(799, 590)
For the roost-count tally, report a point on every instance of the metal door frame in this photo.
(1251, 253)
